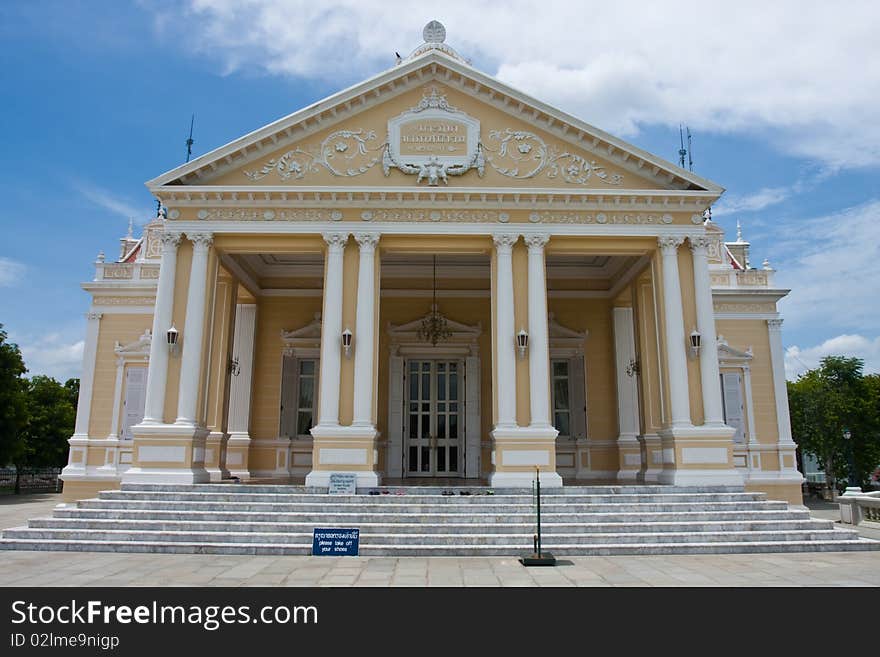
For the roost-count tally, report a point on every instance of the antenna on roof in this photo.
(681, 150)
(189, 140)
(685, 152)
(690, 150)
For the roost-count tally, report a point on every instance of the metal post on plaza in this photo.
(853, 486)
(538, 557)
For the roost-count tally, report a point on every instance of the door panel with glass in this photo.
(434, 429)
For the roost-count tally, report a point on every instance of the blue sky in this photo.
(98, 97)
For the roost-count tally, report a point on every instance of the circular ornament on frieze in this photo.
(503, 217)
(696, 219)
(601, 218)
(202, 214)
(336, 215)
(666, 218)
(269, 215)
(534, 217)
(366, 215)
(174, 214)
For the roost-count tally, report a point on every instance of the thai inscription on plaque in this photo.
(433, 136)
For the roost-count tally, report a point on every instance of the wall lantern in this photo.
(696, 340)
(171, 335)
(346, 342)
(522, 342)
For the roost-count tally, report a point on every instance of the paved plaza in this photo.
(108, 569)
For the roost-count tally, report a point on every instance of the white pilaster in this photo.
(117, 399)
(364, 338)
(539, 341)
(87, 378)
(675, 346)
(240, 386)
(193, 330)
(627, 385)
(710, 377)
(157, 375)
(505, 369)
(780, 392)
(331, 332)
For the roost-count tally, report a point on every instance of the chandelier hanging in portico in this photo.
(434, 327)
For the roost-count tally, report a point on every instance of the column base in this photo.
(699, 456)
(517, 452)
(237, 455)
(215, 446)
(167, 454)
(629, 456)
(344, 449)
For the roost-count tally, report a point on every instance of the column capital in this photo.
(505, 241)
(536, 241)
(669, 244)
(201, 241)
(774, 324)
(699, 245)
(367, 241)
(170, 239)
(335, 240)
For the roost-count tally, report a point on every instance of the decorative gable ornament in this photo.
(433, 140)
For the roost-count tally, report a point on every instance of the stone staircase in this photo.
(422, 521)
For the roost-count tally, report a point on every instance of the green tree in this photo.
(52, 416)
(13, 402)
(829, 400)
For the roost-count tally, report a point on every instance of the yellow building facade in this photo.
(431, 276)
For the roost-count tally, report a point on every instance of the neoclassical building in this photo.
(432, 276)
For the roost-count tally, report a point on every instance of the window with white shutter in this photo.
(734, 416)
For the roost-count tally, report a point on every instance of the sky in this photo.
(782, 99)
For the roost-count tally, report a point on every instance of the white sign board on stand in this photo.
(343, 483)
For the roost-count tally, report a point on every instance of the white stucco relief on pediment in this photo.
(433, 141)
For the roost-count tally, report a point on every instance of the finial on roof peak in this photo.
(739, 231)
(434, 35)
(434, 32)
(130, 234)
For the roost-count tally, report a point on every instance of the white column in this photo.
(505, 370)
(117, 399)
(364, 338)
(627, 391)
(780, 392)
(539, 341)
(331, 331)
(710, 377)
(240, 386)
(87, 378)
(193, 330)
(675, 353)
(157, 374)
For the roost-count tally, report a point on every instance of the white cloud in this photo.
(799, 74)
(832, 265)
(751, 202)
(798, 361)
(10, 272)
(54, 355)
(109, 201)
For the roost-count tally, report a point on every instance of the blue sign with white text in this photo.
(335, 542)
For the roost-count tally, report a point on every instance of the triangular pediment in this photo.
(137, 349)
(432, 121)
(728, 353)
(459, 331)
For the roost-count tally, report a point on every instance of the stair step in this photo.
(547, 528)
(368, 539)
(435, 550)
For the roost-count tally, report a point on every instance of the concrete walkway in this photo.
(107, 569)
